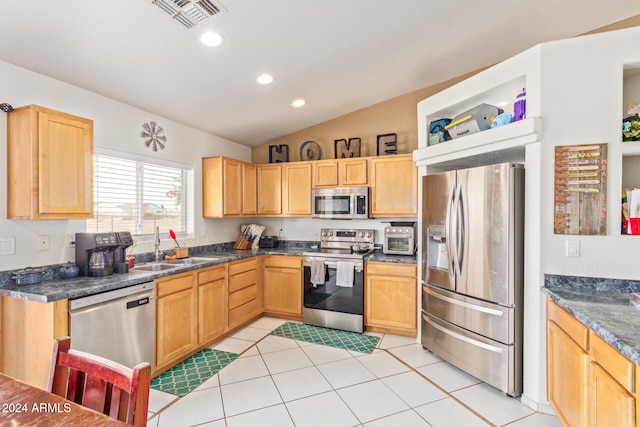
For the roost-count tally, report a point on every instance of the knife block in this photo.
(181, 252)
(242, 243)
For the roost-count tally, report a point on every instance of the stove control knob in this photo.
(331, 234)
(368, 234)
(324, 234)
(362, 234)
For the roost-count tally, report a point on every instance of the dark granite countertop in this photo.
(55, 289)
(603, 306)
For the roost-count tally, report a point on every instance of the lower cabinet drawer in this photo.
(243, 312)
(243, 296)
(243, 280)
(616, 365)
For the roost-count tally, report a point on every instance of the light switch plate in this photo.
(572, 248)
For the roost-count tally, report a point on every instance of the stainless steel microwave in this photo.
(340, 203)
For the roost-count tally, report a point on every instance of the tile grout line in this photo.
(440, 388)
(178, 398)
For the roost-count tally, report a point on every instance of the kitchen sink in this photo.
(154, 267)
(190, 261)
(173, 263)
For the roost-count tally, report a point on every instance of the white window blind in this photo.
(135, 195)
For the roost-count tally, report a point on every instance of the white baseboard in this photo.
(542, 407)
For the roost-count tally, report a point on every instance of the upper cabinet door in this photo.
(296, 189)
(325, 173)
(249, 194)
(232, 194)
(352, 172)
(269, 180)
(52, 153)
(394, 187)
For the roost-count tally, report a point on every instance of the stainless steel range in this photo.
(334, 279)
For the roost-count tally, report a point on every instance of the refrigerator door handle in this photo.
(464, 304)
(450, 226)
(461, 213)
(462, 337)
(456, 230)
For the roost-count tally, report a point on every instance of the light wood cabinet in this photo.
(589, 383)
(283, 285)
(567, 366)
(394, 186)
(49, 165)
(296, 189)
(391, 298)
(176, 318)
(612, 386)
(269, 188)
(340, 172)
(212, 303)
(249, 193)
(245, 296)
(228, 188)
(28, 331)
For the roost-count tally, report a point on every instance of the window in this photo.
(135, 194)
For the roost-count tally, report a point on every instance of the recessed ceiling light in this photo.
(298, 102)
(265, 79)
(502, 103)
(211, 38)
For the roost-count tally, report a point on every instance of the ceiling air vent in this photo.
(189, 13)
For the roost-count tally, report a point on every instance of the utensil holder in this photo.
(181, 252)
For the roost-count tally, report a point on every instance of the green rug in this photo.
(331, 337)
(188, 375)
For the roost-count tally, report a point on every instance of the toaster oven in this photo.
(400, 239)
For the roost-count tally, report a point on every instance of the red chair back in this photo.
(100, 384)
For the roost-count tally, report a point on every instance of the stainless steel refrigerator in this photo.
(472, 284)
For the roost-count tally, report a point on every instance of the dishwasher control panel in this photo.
(112, 295)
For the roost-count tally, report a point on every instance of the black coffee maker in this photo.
(120, 264)
(94, 253)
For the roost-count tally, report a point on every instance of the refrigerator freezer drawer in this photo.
(490, 320)
(492, 362)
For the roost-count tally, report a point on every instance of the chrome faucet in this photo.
(157, 245)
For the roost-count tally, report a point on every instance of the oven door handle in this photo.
(334, 264)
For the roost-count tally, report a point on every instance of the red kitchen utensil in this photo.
(173, 236)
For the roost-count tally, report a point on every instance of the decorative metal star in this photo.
(154, 136)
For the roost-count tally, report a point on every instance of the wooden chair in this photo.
(100, 384)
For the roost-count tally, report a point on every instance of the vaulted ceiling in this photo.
(338, 55)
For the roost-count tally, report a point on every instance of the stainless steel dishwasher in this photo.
(118, 325)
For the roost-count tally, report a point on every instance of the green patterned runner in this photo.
(331, 337)
(188, 375)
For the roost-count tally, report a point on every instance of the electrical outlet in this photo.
(203, 231)
(43, 243)
(71, 240)
(7, 245)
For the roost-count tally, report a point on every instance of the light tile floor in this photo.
(283, 382)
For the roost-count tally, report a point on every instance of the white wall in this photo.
(582, 96)
(116, 126)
